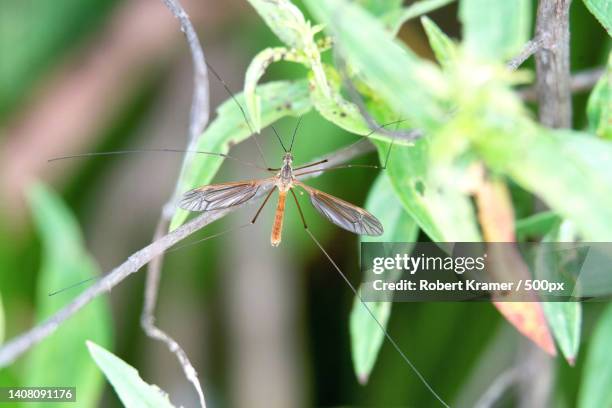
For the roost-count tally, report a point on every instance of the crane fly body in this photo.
(224, 195)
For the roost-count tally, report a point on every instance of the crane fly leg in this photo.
(299, 208)
(262, 206)
(229, 229)
(343, 166)
(311, 164)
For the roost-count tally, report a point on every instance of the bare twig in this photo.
(526, 374)
(498, 387)
(200, 103)
(199, 115)
(579, 82)
(552, 63)
(555, 110)
(537, 376)
(12, 349)
(586, 79)
(528, 50)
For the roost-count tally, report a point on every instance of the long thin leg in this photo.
(229, 229)
(344, 166)
(299, 208)
(384, 167)
(206, 238)
(311, 164)
(391, 146)
(388, 154)
(304, 166)
(356, 293)
(262, 205)
(378, 323)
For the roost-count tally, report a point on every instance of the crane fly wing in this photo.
(343, 214)
(223, 195)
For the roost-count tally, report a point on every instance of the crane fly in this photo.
(345, 215)
(224, 195)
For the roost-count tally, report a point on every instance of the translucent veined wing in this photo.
(342, 213)
(223, 195)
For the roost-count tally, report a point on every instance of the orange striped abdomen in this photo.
(277, 228)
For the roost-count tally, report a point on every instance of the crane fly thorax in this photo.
(285, 176)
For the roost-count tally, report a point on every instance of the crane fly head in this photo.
(287, 159)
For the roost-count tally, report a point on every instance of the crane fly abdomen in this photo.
(277, 227)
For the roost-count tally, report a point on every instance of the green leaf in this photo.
(383, 203)
(336, 109)
(2, 321)
(602, 10)
(289, 24)
(417, 91)
(396, 18)
(419, 8)
(366, 335)
(495, 29)
(380, 8)
(570, 171)
(564, 318)
(255, 71)
(126, 381)
(279, 99)
(599, 108)
(443, 47)
(345, 114)
(65, 261)
(286, 21)
(385, 64)
(595, 390)
(536, 225)
(444, 214)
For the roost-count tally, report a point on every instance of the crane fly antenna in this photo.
(154, 150)
(279, 139)
(244, 115)
(294, 132)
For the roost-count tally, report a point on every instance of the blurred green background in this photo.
(263, 326)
